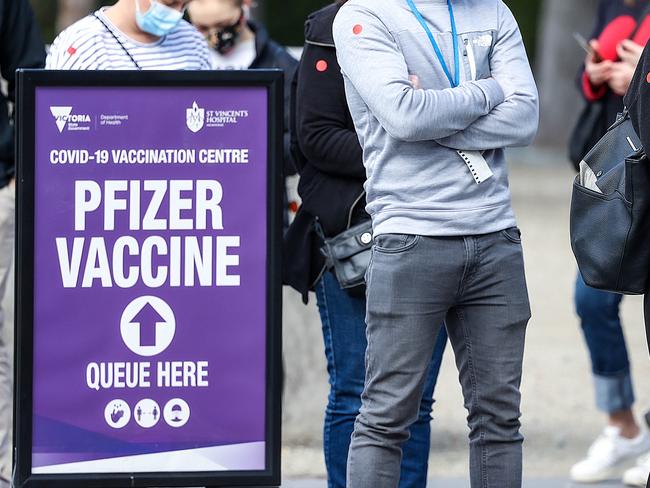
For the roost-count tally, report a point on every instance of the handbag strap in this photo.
(644, 13)
(118, 41)
(318, 227)
(353, 207)
(626, 111)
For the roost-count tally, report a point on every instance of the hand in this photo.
(629, 52)
(116, 415)
(415, 81)
(597, 72)
(621, 77)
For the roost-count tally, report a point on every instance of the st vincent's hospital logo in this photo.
(195, 118)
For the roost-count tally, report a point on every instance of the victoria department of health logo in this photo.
(63, 116)
(195, 118)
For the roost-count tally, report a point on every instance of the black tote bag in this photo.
(610, 217)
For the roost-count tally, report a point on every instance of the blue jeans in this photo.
(598, 312)
(344, 333)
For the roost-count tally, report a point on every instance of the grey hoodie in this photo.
(417, 182)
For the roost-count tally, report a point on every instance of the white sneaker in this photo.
(608, 454)
(638, 475)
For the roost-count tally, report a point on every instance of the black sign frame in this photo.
(28, 81)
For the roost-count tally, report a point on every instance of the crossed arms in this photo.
(497, 112)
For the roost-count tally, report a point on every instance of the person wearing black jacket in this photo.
(331, 188)
(238, 42)
(637, 100)
(622, 29)
(21, 46)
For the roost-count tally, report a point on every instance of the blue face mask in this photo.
(159, 20)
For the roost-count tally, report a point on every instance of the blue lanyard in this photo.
(455, 81)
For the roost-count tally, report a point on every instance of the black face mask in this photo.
(224, 39)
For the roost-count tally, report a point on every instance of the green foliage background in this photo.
(285, 18)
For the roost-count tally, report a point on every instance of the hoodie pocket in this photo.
(476, 49)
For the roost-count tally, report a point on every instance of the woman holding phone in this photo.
(622, 30)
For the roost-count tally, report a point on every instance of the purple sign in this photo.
(150, 272)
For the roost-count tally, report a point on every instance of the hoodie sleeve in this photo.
(513, 122)
(372, 63)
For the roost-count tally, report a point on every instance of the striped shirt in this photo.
(88, 45)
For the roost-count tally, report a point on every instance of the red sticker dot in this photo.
(321, 65)
(357, 29)
(71, 50)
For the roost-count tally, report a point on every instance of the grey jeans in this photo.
(477, 286)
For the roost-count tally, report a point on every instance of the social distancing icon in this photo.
(146, 413)
(148, 326)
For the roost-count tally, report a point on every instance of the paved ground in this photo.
(558, 413)
(460, 483)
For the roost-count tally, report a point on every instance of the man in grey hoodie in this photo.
(437, 89)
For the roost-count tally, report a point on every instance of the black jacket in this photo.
(637, 101)
(331, 182)
(270, 54)
(21, 46)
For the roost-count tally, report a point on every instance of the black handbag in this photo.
(610, 212)
(589, 128)
(348, 255)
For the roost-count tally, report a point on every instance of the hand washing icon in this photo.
(117, 413)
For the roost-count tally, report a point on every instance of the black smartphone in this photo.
(582, 42)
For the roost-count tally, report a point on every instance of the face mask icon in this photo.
(176, 413)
